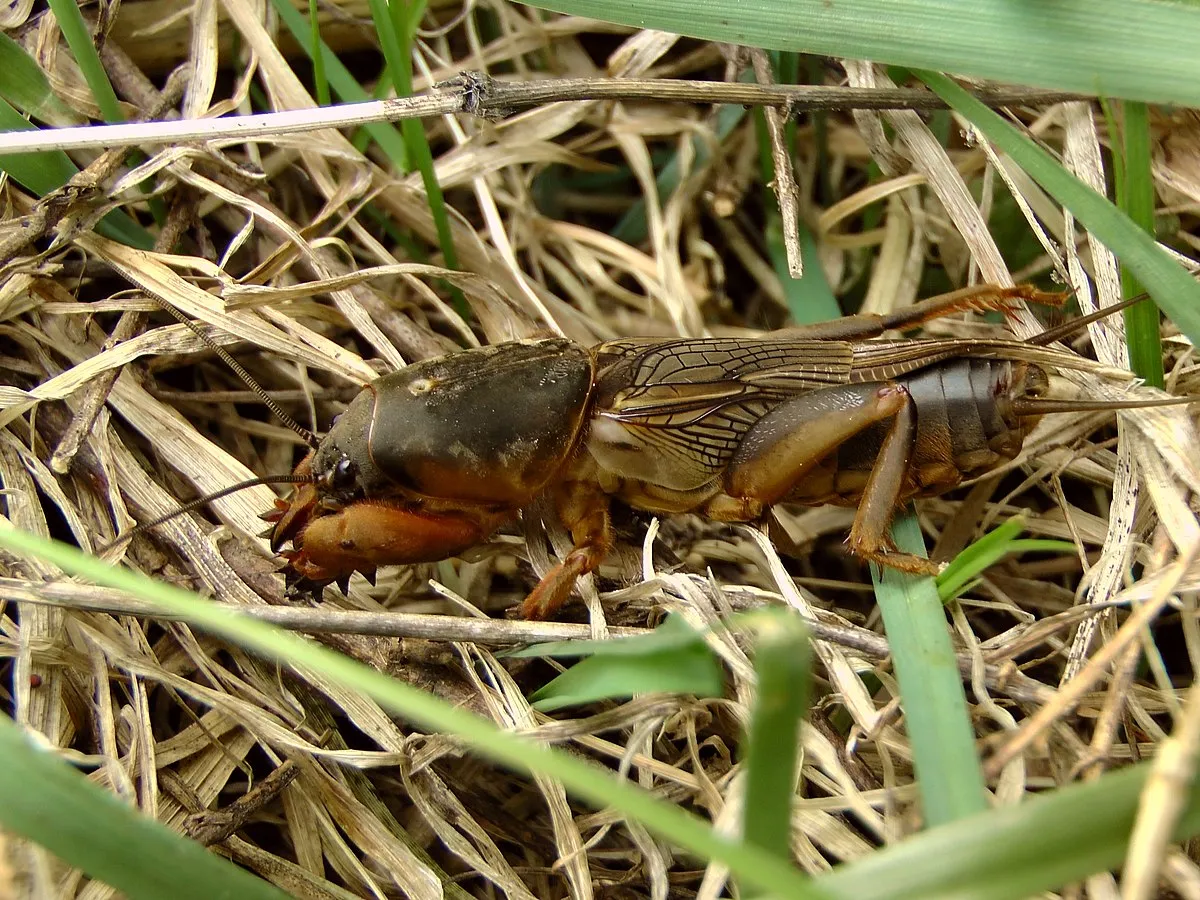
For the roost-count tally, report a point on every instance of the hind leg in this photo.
(977, 298)
(785, 445)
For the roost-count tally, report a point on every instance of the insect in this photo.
(431, 460)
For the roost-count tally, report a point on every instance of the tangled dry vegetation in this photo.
(317, 266)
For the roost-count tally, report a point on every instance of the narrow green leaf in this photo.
(673, 660)
(1014, 852)
(42, 173)
(1173, 289)
(809, 299)
(1027, 545)
(25, 86)
(673, 634)
(1042, 545)
(782, 669)
(44, 799)
(79, 39)
(39, 173)
(120, 227)
(320, 79)
(1137, 49)
(394, 26)
(344, 84)
(976, 557)
(963, 571)
(384, 16)
(939, 726)
(1136, 198)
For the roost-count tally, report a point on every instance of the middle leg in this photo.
(583, 508)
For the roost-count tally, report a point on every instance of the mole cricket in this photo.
(431, 460)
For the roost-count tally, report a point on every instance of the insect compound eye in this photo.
(343, 475)
(345, 471)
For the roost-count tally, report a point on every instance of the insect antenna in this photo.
(126, 536)
(305, 435)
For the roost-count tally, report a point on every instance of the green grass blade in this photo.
(753, 866)
(1173, 289)
(1136, 49)
(674, 658)
(976, 557)
(344, 84)
(394, 26)
(962, 574)
(39, 173)
(809, 299)
(120, 227)
(26, 87)
(935, 709)
(393, 43)
(320, 79)
(963, 571)
(782, 669)
(672, 634)
(1014, 852)
(44, 799)
(42, 173)
(79, 39)
(1136, 197)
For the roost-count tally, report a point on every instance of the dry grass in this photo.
(276, 247)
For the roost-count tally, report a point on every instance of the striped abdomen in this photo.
(965, 428)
